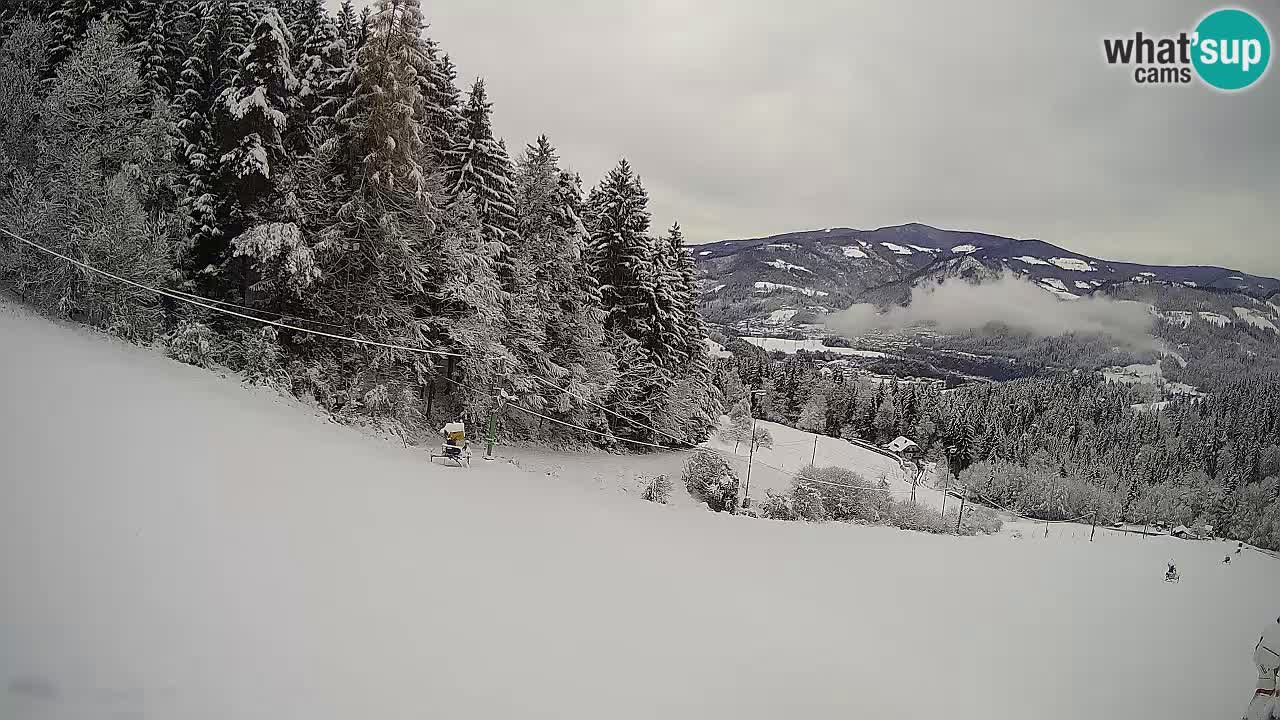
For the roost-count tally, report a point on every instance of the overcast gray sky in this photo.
(749, 118)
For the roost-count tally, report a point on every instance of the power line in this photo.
(213, 305)
(805, 478)
(686, 446)
(1024, 517)
(609, 436)
(214, 308)
(610, 411)
(224, 303)
(208, 304)
(594, 432)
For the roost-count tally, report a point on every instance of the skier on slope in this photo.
(1171, 574)
(1266, 655)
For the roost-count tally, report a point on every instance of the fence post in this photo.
(814, 458)
(962, 499)
(1094, 529)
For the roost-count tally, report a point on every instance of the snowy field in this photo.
(174, 545)
(792, 347)
(774, 468)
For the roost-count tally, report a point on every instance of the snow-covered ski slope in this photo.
(174, 545)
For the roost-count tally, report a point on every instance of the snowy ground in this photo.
(176, 546)
(774, 468)
(792, 347)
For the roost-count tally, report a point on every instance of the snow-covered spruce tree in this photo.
(347, 24)
(86, 194)
(163, 32)
(377, 129)
(667, 338)
(320, 62)
(638, 393)
(694, 406)
(251, 120)
(623, 261)
(363, 30)
(469, 304)
(70, 20)
(16, 11)
(693, 327)
(479, 165)
(555, 282)
(222, 29)
(814, 415)
(620, 252)
(392, 264)
(300, 16)
(696, 401)
(443, 121)
(23, 58)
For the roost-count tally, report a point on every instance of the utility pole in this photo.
(493, 413)
(488, 450)
(1094, 529)
(751, 449)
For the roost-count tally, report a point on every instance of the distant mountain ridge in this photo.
(820, 271)
(1040, 259)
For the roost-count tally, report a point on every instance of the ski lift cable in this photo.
(572, 394)
(465, 386)
(201, 303)
(668, 447)
(1000, 507)
(684, 445)
(224, 303)
(805, 478)
(209, 304)
(589, 430)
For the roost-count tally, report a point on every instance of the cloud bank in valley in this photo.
(960, 306)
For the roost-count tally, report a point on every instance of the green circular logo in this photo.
(1232, 49)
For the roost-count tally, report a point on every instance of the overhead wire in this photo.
(224, 303)
(214, 306)
(1001, 508)
(209, 306)
(684, 445)
(687, 446)
(221, 306)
